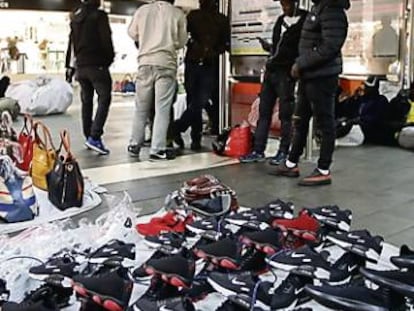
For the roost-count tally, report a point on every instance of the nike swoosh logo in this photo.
(294, 255)
(275, 206)
(236, 282)
(298, 291)
(351, 236)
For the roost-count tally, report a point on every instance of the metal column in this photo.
(224, 102)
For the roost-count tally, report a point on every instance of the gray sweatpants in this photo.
(157, 85)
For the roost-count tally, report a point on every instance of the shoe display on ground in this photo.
(405, 260)
(96, 145)
(350, 298)
(171, 240)
(267, 214)
(269, 241)
(253, 157)
(316, 178)
(304, 226)
(114, 252)
(332, 216)
(283, 170)
(232, 284)
(112, 290)
(360, 242)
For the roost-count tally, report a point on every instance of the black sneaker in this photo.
(112, 290)
(400, 282)
(163, 155)
(332, 216)
(41, 299)
(170, 240)
(175, 270)
(302, 261)
(140, 274)
(405, 260)
(350, 298)
(232, 284)
(280, 157)
(58, 270)
(208, 227)
(253, 157)
(266, 214)
(345, 268)
(268, 241)
(171, 304)
(359, 242)
(133, 151)
(114, 253)
(316, 178)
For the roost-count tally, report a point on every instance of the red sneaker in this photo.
(303, 226)
(170, 222)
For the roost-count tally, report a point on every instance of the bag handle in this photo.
(28, 121)
(47, 137)
(65, 143)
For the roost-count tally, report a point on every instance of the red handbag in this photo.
(26, 138)
(239, 142)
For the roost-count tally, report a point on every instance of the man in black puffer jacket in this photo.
(91, 42)
(278, 83)
(318, 67)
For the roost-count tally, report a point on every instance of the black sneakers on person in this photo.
(57, 270)
(176, 270)
(332, 216)
(405, 260)
(350, 298)
(162, 155)
(170, 240)
(302, 261)
(266, 214)
(114, 253)
(134, 150)
(41, 299)
(268, 241)
(112, 290)
(279, 158)
(359, 242)
(316, 178)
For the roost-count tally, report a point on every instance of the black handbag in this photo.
(65, 182)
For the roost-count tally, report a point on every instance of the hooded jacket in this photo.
(90, 37)
(323, 35)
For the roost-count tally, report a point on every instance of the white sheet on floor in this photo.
(48, 212)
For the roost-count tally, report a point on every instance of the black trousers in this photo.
(317, 99)
(276, 84)
(93, 79)
(4, 84)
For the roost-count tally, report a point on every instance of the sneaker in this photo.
(253, 157)
(61, 295)
(114, 253)
(359, 242)
(97, 145)
(232, 284)
(146, 303)
(278, 158)
(57, 270)
(316, 178)
(140, 274)
(169, 222)
(267, 214)
(175, 270)
(405, 260)
(345, 268)
(283, 170)
(350, 298)
(162, 155)
(212, 228)
(303, 226)
(303, 261)
(400, 282)
(133, 151)
(200, 287)
(41, 299)
(173, 241)
(268, 241)
(224, 253)
(332, 216)
(112, 290)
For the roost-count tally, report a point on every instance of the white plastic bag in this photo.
(354, 138)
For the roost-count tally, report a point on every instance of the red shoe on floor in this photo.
(170, 222)
(304, 226)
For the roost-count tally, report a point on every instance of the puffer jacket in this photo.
(323, 35)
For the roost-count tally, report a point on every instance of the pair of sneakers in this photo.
(316, 178)
(255, 156)
(96, 145)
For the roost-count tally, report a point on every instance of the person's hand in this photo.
(70, 72)
(295, 72)
(265, 45)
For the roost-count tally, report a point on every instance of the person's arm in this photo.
(182, 35)
(133, 30)
(334, 28)
(105, 35)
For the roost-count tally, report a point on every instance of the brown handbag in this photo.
(44, 155)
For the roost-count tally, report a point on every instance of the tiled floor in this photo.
(375, 182)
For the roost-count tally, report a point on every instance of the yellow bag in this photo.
(44, 155)
(410, 117)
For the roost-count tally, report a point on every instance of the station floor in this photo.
(376, 183)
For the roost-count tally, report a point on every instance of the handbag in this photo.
(44, 155)
(26, 139)
(65, 182)
(17, 199)
(239, 142)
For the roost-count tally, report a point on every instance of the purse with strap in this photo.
(26, 139)
(44, 155)
(65, 182)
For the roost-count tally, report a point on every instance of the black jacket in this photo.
(323, 35)
(91, 38)
(285, 49)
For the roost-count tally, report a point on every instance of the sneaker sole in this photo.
(220, 289)
(238, 300)
(133, 155)
(92, 147)
(252, 161)
(314, 184)
(106, 302)
(223, 262)
(285, 174)
(172, 279)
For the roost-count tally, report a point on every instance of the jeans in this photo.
(155, 85)
(317, 99)
(93, 79)
(199, 83)
(277, 84)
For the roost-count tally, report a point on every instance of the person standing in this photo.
(317, 67)
(278, 83)
(159, 29)
(93, 51)
(209, 37)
